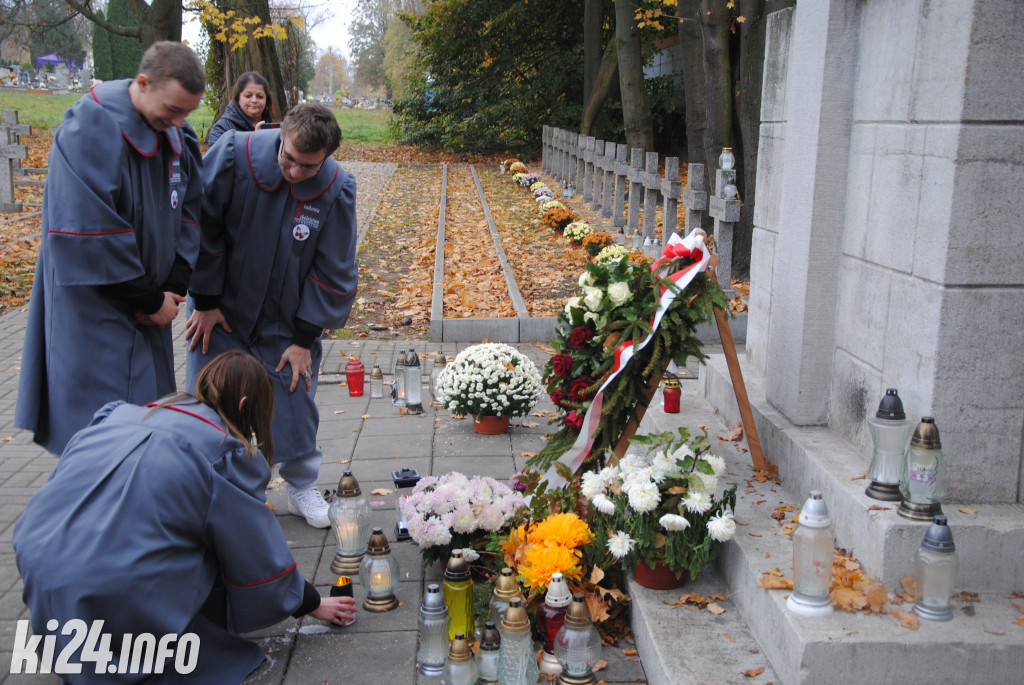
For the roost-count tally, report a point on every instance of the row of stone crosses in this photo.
(598, 171)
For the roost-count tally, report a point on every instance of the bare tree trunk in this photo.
(694, 88)
(635, 113)
(715, 21)
(606, 79)
(593, 21)
(258, 55)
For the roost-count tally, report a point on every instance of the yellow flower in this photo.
(541, 560)
(566, 529)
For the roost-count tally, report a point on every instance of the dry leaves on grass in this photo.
(545, 264)
(474, 285)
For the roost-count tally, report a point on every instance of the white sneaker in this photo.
(308, 503)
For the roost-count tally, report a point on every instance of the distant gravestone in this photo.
(11, 154)
(86, 76)
(62, 76)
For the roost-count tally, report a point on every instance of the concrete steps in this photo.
(982, 644)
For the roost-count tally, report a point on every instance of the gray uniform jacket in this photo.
(121, 207)
(276, 257)
(155, 521)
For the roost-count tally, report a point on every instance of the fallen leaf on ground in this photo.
(381, 491)
(786, 507)
(529, 424)
(969, 510)
(967, 596)
(861, 476)
(773, 583)
(527, 454)
(1018, 607)
(339, 411)
(600, 665)
(366, 416)
(751, 672)
(878, 507)
(1019, 621)
(906, 618)
(732, 436)
(715, 608)
(629, 652)
(729, 637)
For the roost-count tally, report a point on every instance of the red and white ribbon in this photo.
(691, 247)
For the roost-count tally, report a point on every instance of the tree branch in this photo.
(85, 11)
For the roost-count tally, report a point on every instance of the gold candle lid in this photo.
(578, 614)
(459, 650)
(457, 570)
(516, 620)
(348, 486)
(378, 545)
(376, 372)
(926, 435)
(506, 586)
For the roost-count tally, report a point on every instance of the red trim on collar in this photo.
(248, 157)
(155, 147)
(265, 580)
(326, 188)
(127, 230)
(192, 414)
(170, 141)
(92, 91)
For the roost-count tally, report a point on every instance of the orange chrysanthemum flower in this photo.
(542, 560)
(567, 529)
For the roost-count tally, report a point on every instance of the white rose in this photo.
(573, 303)
(586, 279)
(619, 293)
(594, 298)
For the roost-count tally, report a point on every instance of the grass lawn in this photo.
(46, 111)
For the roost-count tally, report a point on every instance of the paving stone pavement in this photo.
(366, 436)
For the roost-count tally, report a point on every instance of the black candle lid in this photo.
(891, 406)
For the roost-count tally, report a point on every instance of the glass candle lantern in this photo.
(577, 645)
(440, 361)
(413, 383)
(355, 376)
(378, 574)
(550, 617)
(399, 391)
(726, 160)
(923, 484)
(671, 395)
(349, 514)
(936, 567)
(620, 237)
(376, 382)
(813, 550)
(458, 595)
(487, 657)
(730, 192)
(505, 588)
(459, 667)
(433, 632)
(517, 662)
(889, 433)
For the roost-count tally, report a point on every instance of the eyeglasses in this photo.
(290, 161)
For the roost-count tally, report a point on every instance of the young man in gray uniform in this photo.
(120, 237)
(277, 266)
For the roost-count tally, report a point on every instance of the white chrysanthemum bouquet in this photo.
(453, 511)
(661, 507)
(491, 379)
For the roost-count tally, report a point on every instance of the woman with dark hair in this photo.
(249, 108)
(154, 522)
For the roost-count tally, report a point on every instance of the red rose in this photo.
(577, 388)
(574, 421)
(581, 335)
(558, 397)
(562, 364)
